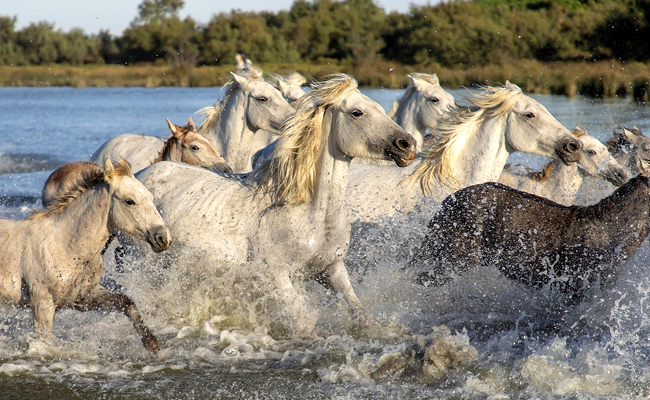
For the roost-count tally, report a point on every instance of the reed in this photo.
(604, 79)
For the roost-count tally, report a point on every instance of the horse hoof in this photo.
(151, 343)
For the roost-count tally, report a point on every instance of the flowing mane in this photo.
(455, 130)
(74, 187)
(290, 175)
(211, 115)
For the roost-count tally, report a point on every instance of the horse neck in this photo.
(406, 116)
(484, 154)
(626, 208)
(234, 136)
(171, 151)
(332, 170)
(564, 182)
(85, 222)
(565, 176)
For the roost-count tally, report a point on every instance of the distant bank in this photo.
(605, 78)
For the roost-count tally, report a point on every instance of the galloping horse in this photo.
(560, 182)
(52, 260)
(533, 240)
(289, 213)
(474, 147)
(185, 145)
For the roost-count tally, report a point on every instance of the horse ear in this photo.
(415, 82)
(190, 123)
(435, 79)
(282, 84)
(176, 132)
(630, 135)
(241, 80)
(109, 170)
(512, 86)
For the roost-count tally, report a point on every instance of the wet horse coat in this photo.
(533, 240)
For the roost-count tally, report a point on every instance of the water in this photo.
(492, 338)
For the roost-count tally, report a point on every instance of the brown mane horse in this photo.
(533, 240)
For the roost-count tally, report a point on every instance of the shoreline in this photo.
(600, 79)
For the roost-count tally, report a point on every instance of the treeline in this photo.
(454, 34)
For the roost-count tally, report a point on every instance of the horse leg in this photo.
(102, 299)
(336, 277)
(44, 309)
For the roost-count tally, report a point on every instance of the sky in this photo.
(115, 15)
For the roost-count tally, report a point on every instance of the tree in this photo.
(157, 11)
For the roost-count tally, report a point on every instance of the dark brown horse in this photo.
(533, 240)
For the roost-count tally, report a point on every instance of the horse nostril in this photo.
(402, 144)
(571, 147)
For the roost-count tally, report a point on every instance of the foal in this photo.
(52, 260)
(533, 240)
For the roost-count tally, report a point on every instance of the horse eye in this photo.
(194, 147)
(357, 113)
(129, 202)
(434, 99)
(591, 153)
(262, 98)
(529, 115)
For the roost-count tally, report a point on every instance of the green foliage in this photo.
(454, 34)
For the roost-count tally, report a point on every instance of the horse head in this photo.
(532, 129)
(196, 149)
(596, 159)
(132, 209)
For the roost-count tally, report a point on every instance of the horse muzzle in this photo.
(569, 151)
(159, 239)
(402, 150)
(222, 167)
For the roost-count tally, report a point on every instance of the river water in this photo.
(480, 336)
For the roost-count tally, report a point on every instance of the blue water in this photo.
(603, 354)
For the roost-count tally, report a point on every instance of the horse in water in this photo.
(249, 105)
(560, 182)
(184, 145)
(473, 148)
(289, 213)
(422, 107)
(533, 240)
(52, 259)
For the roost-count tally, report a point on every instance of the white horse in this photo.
(52, 260)
(560, 182)
(473, 148)
(289, 213)
(422, 107)
(185, 145)
(249, 105)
